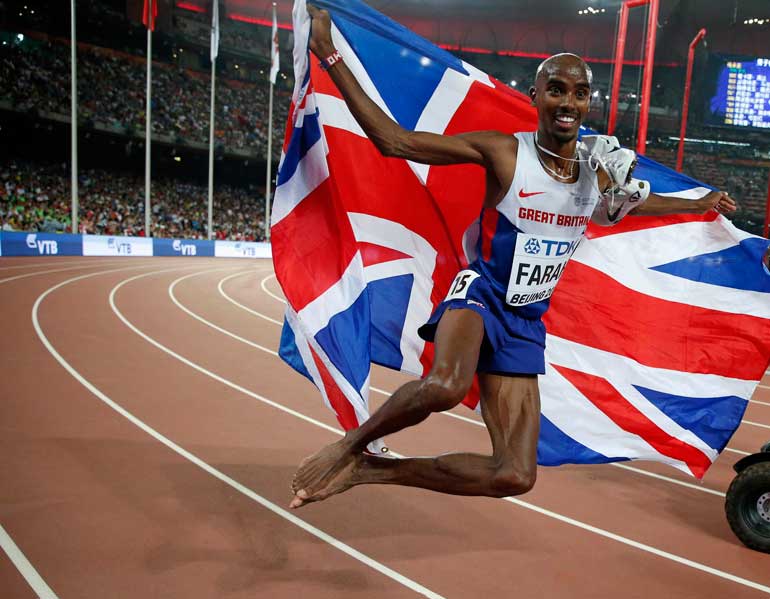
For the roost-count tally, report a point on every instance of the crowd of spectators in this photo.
(111, 92)
(36, 197)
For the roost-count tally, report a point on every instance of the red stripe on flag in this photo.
(312, 247)
(346, 415)
(591, 308)
(371, 253)
(488, 229)
(638, 223)
(612, 403)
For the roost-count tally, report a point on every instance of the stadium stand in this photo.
(111, 92)
(35, 72)
(35, 197)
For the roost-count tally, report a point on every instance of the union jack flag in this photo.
(659, 330)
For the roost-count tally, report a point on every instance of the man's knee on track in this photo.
(508, 481)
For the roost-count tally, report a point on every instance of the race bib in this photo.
(538, 263)
(459, 287)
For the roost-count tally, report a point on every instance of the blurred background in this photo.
(728, 128)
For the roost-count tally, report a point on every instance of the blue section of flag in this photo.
(289, 352)
(302, 139)
(390, 65)
(346, 340)
(389, 300)
(663, 179)
(712, 419)
(377, 24)
(555, 448)
(738, 267)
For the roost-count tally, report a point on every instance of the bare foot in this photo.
(326, 473)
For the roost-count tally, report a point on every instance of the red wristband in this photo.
(331, 60)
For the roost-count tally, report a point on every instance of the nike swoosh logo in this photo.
(524, 194)
(614, 216)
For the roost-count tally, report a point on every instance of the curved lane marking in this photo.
(26, 569)
(270, 293)
(220, 287)
(337, 544)
(45, 272)
(41, 263)
(318, 533)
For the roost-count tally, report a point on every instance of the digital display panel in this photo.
(742, 94)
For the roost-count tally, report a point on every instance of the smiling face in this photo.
(562, 95)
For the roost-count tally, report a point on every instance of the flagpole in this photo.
(213, 55)
(268, 185)
(74, 120)
(211, 151)
(147, 134)
(269, 164)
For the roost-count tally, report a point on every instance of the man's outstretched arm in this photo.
(656, 205)
(388, 136)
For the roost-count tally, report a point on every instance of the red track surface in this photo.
(98, 493)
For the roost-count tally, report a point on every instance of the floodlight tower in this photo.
(686, 99)
(649, 59)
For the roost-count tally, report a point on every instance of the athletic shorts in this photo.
(511, 345)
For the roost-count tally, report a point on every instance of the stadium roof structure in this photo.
(586, 27)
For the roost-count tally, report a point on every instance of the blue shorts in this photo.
(512, 344)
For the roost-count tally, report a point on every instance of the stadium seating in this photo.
(36, 198)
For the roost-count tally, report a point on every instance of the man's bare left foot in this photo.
(317, 471)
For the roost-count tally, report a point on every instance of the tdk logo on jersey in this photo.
(47, 247)
(186, 249)
(121, 247)
(550, 247)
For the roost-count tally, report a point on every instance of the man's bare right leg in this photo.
(458, 341)
(511, 409)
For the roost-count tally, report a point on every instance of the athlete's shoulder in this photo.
(496, 147)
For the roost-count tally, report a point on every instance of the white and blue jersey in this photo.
(522, 249)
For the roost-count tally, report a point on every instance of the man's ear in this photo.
(532, 94)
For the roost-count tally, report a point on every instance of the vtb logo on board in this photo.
(47, 247)
(186, 249)
(121, 247)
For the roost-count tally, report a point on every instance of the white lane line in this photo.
(45, 272)
(26, 569)
(221, 289)
(211, 324)
(567, 520)
(309, 528)
(756, 424)
(654, 550)
(761, 403)
(640, 471)
(270, 293)
(764, 386)
(52, 262)
(738, 451)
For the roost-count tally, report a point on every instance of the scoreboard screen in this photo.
(742, 94)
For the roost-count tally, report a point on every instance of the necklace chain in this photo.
(566, 177)
(572, 161)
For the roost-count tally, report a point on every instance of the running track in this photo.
(149, 434)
